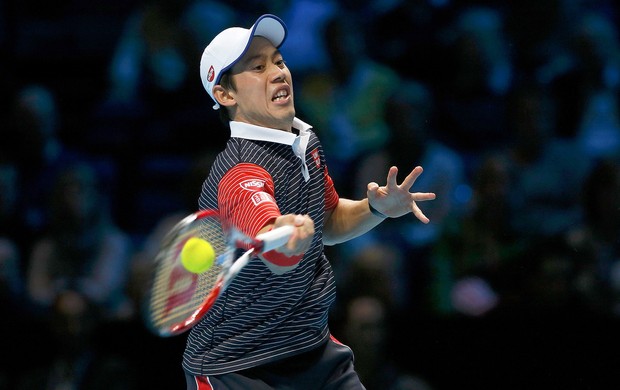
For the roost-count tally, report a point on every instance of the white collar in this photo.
(260, 133)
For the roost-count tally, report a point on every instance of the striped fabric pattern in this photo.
(263, 317)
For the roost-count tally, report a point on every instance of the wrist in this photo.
(376, 212)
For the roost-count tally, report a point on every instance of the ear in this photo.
(223, 96)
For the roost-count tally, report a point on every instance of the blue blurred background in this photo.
(511, 107)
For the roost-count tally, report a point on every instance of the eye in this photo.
(281, 63)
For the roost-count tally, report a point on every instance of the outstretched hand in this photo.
(395, 200)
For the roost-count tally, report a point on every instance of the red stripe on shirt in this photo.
(203, 383)
(282, 260)
(331, 196)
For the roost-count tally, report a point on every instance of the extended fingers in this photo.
(412, 177)
(422, 196)
(391, 177)
(419, 214)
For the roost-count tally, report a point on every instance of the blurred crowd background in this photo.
(511, 107)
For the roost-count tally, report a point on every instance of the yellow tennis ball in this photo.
(197, 255)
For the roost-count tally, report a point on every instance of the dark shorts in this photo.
(328, 367)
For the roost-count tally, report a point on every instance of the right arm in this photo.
(246, 199)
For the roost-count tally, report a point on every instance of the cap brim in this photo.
(267, 26)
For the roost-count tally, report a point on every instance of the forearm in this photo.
(350, 219)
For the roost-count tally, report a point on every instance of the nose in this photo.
(278, 74)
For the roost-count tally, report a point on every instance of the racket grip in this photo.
(275, 238)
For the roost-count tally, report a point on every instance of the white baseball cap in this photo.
(231, 44)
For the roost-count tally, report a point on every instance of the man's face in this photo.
(264, 88)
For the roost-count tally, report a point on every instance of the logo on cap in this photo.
(211, 74)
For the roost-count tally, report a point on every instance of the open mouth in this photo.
(281, 95)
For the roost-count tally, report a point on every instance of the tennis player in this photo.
(270, 328)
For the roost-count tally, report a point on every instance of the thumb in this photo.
(299, 220)
(372, 189)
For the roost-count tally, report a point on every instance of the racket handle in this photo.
(275, 238)
(237, 265)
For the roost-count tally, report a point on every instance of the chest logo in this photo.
(316, 157)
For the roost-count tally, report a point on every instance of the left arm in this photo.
(350, 219)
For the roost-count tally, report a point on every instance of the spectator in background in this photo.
(15, 242)
(74, 281)
(367, 331)
(11, 305)
(31, 139)
(595, 241)
(348, 100)
(478, 247)
(537, 32)
(309, 18)
(555, 275)
(13, 225)
(377, 267)
(477, 74)
(83, 255)
(31, 142)
(404, 35)
(367, 334)
(547, 172)
(71, 359)
(150, 80)
(151, 61)
(587, 93)
(12, 286)
(11, 280)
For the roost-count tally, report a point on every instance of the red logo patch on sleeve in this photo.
(261, 197)
(252, 184)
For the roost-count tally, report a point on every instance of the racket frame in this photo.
(234, 239)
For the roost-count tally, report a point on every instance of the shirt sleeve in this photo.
(246, 201)
(331, 196)
(246, 198)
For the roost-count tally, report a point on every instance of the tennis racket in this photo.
(178, 298)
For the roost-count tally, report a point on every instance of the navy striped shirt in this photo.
(263, 317)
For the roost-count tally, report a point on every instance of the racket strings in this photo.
(211, 231)
(177, 293)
